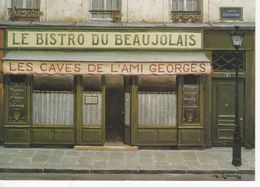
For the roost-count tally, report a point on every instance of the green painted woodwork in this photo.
(190, 137)
(17, 132)
(134, 110)
(220, 40)
(223, 112)
(215, 126)
(17, 136)
(88, 135)
(151, 136)
(52, 135)
(250, 102)
(127, 134)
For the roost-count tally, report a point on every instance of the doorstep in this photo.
(106, 148)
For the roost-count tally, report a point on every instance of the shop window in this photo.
(186, 11)
(106, 10)
(25, 10)
(191, 100)
(157, 103)
(227, 60)
(92, 101)
(17, 98)
(53, 100)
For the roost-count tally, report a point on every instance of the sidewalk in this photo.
(209, 161)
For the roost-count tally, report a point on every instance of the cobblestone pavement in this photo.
(214, 160)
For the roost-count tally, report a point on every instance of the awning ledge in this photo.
(132, 63)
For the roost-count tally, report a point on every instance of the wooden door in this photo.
(223, 110)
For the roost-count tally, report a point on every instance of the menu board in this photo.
(190, 103)
(17, 102)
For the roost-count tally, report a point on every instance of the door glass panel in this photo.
(92, 108)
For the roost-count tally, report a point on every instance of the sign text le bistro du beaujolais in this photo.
(104, 40)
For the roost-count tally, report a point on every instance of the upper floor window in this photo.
(186, 11)
(24, 10)
(185, 5)
(106, 10)
(26, 4)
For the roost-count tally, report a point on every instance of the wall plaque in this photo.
(91, 99)
(231, 13)
(17, 102)
(190, 103)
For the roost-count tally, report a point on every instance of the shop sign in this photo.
(232, 13)
(103, 40)
(16, 102)
(103, 68)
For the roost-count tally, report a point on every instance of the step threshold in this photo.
(106, 148)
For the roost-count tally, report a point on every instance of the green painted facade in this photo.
(214, 129)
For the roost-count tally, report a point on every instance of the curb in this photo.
(116, 171)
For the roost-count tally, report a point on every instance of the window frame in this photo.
(104, 11)
(24, 2)
(185, 4)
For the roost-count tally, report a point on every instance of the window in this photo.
(53, 100)
(225, 61)
(24, 10)
(185, 5)
(186, 11)
(157, 101)
(105, 9)
(31, 4)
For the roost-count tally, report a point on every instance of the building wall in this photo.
(133, 10)
(147, 11)
(3, 8)
(65, 10)
(211, 9)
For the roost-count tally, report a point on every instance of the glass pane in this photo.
(92, 108)
(94, 4)
(226, 61)
(35, 4)
(28, 4)
(115, 5)
(181, 5)
(157, 108)
(20, 4)
(14, 3)
(109, 5)
(175, 5)
(53, 108)
(192, 5)
(101, 4)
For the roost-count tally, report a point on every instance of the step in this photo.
(106, 148)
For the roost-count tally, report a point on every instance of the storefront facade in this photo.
(137, 86)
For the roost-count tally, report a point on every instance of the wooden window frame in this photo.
(115, 13)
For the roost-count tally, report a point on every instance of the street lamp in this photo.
(237, 39)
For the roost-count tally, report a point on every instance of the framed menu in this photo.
(17, 102)
(191, 106)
